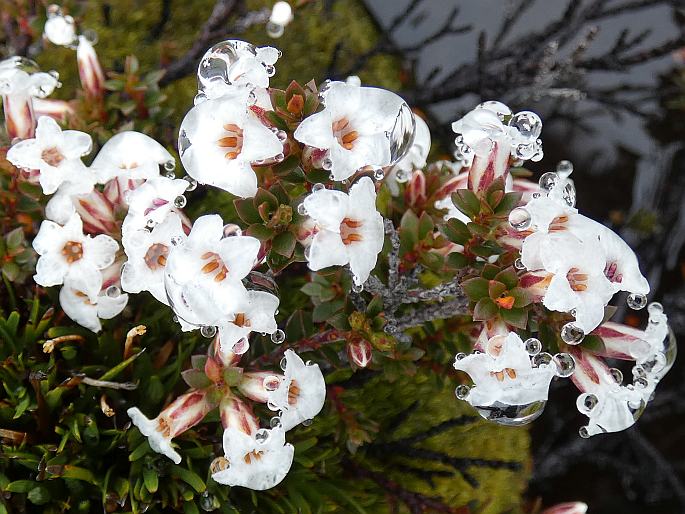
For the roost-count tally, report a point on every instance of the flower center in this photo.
(72, 251)
(52, 156)
(214, 265)
(253, 455)
(241, 320)
(577, 281)
(558, 224)
(155, 257)
(219, 464)
(83, 295)
(233, 142)
(154, 205)
(163, 427)
(349, 232)
(128, 165)
(499, 375)
(344, 133)
(293, 392)
(611, 272)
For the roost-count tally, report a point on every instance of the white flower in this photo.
(301, 394)
(352, 127)
(152, 202)
(504, 374)
(257, 462)
(60, 30)
(349, 229)
(96, 212)
(147, 253)
(183, 413)
(255, 314)
(57, 155)
(66, 250)
(220, 138)
(83, 300)
(130, 155)
(204, 275)
(15, 80)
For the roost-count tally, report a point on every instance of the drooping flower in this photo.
(301, 394)
(57, 155)
(504, 374)
(255, 314)
(83, 299)
(65, 250)
(352, 128)
(147, 253)
(221, 138)
(348, 227)
(257, 462)
(183, 413)
(152, 202)
(204, 275)
(130, 155)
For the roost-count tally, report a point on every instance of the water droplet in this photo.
(208, 331)
(511, 415)
(317, 187)
(536, 195)
(569, 194)
(459, 356)
(282, 135)
(327, 163)
(564, 168)
(583, 432)
(548, 181)
(275, 422)
(271, 405)
(271, 382)
(307, 252)
(378, 174)
(207, 502)
(270, 70)
(170, 174)
(528, 124)
(307, 422)
(402, 176)
(150, 223)
(357, 288)
(180, 202)
(262, 435)
(284, 363)
(274, 30)
(113, 292)
(617, 375)
(213, 70)
(586, 402)
(301, 209)
(533, 346)
(641, 383)
(462, 391)
(520, 219)
(518, 264)
(636, 301)
(501, 110)
(192, 183)
(279, 157)
(241, 346)
(565, 364)
(232, 230)
(655, 308)
(176, 240)
(278, 337)
(170, 165)
(542, 360)
(401, 136)
(572, 334)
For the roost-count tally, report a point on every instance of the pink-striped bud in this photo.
(59, 110)
(567, 508)
(20, 118)
(256, 385)
(237, 414)
(536, 283)
(359, 351)
(621, 341)
(415, 192)
(89, 69)
(486, 169)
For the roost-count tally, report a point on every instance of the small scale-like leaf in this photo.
(516, 317)
(475, 288)
(467, 202)
(485, 309)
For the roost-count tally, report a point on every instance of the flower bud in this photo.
(359, 351)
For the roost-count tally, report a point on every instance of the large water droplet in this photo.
(401, 136)
(520, 219)
(586, 402)
(548, 181)
(241, 346)
(502, 111)
(180, 202)
(565, 364)
(462, 391)
(208, 331)
(278, 337)
(528, 124)
(533, 346)
(572, 334)
(542, 360)
(511, 415)
(636, 301)
(113, 292)
(564, 168)
(262, 435)
(213, 69)
(271, 382)
(617, 375)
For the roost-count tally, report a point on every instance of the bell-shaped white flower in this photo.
(220, 138)
(152, 202)
(183, 413)
(348, 229)
(130, 155)
(352, 127)
(257, 462)
(84, 301)
(147, 253)
(255, 314)
(57, 155)
(504, 374)
(204, 275)
(66, 250)
(301, 393)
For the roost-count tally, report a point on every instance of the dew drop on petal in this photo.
(520, 219)
(636, 301)
(284, 363)
(586, 402)
(401, 137)
(301, 209)
(548, 180)
(357, 288)
(113, 292)
(572, 334)
(402, 176)
(282, 135)
(459, 356)
(528, 124)
(180, 202)
(192, 183)
(307, 422)
(518, 264)
(271, 382)
(542, 360)
(262, 435)
(208, 331)
(617, 375)
(327, 163)
(378, 174)
(275, 422)
(231, 230)
(241, 346)
(278, 336)
(318, 187)
(462, 391)
(170, 165)
(655, 308)
(511, 415)
(583, 432)
(564, 168)
(533, 346)
(565, 364)
(641, 383)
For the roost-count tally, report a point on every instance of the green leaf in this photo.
(508, 202)
(326, 310)
(456, 231)
(247, 210)
(39, 495)
(495, 289)
(515, 317)
(426, 225)
(284, 244)
(521, 297)
(508, 277)
(195, 378)
(485, 309)
(20, 486)
(150, 479)
(259, 231)
(189, 477)
(593, 343)
(467, 202)
(475, 288)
